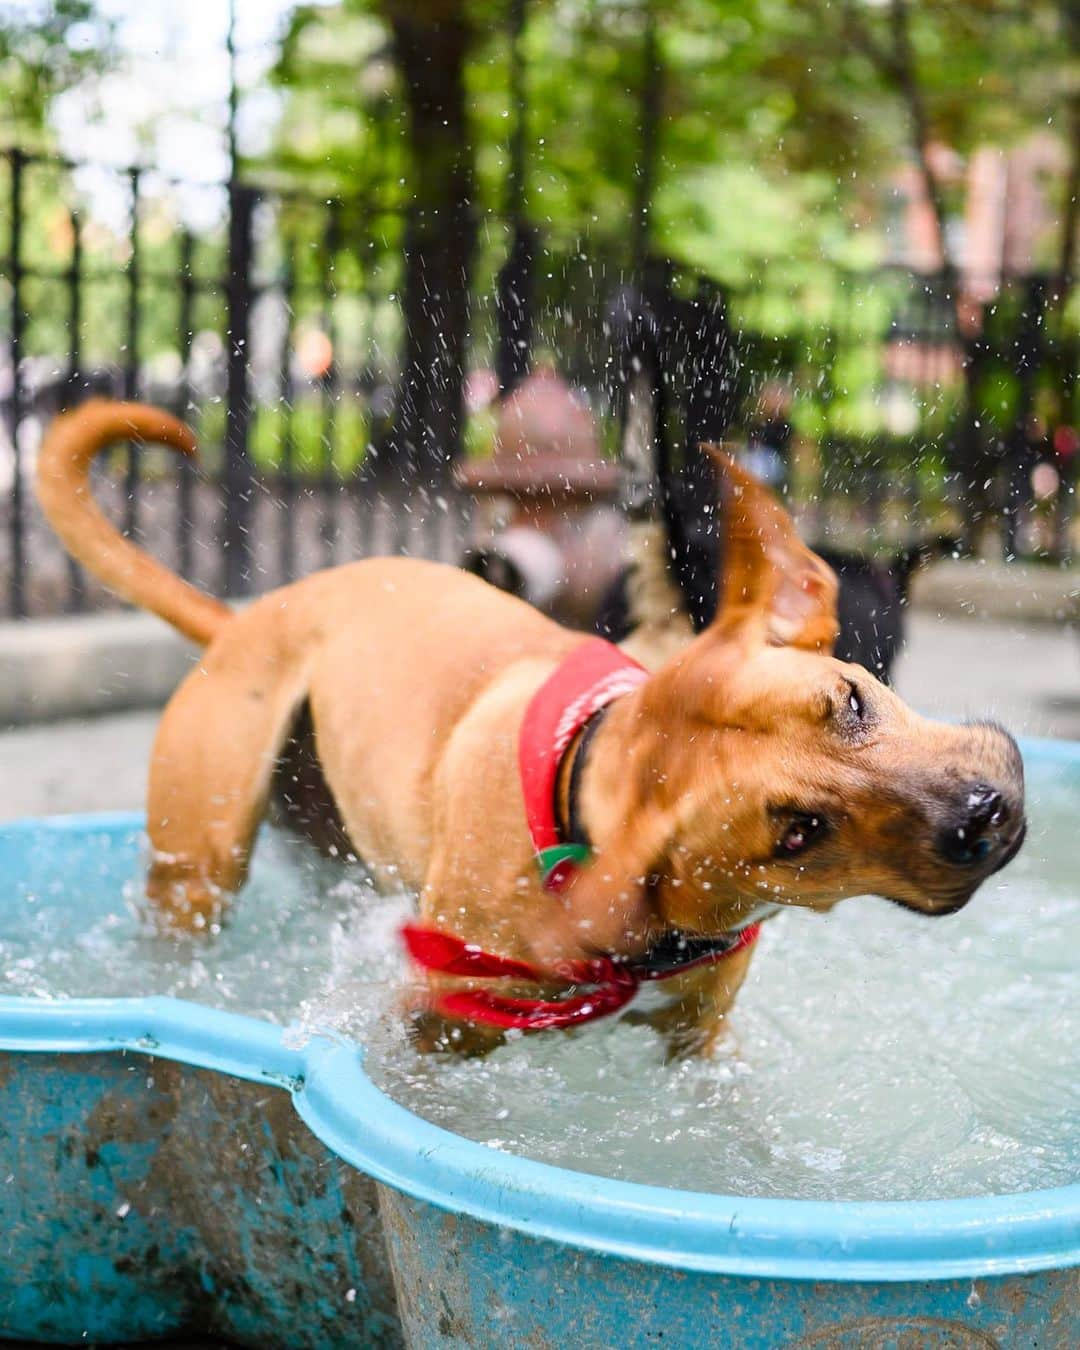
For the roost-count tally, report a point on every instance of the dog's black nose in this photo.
(977, 829)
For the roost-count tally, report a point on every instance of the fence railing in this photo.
(271, 320)
(267, 319)
(927, 401)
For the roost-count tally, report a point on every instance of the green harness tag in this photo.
(548, 859)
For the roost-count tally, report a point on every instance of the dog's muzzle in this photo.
(984, 831)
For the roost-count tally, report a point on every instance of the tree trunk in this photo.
(1070, 220)
(431, 48)
(976, 461)
(1066, 349)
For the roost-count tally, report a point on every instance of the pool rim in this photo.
(974, 1237)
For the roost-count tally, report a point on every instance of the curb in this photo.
(979, 589)
(88, 664)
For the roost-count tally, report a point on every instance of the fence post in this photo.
(1065, 369)
(330, 481)
(15, 341)
(1027, 354)
(76, 580)
(514, 305)
(238, 473)
(185, 281)
(132, 474)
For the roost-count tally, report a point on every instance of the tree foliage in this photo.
(45, 48)
(816, 101)
(766, 132)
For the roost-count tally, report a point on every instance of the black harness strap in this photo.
(675, 950)
(574, 831)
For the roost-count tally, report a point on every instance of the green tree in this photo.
(404, 62)
(747, 136)
(45, 48)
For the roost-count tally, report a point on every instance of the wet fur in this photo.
(397, 688)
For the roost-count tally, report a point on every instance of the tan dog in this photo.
(751, 768)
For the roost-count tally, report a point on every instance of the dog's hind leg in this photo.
(693, 1020)
(211, 770)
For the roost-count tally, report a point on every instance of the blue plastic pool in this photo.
(167, 1168)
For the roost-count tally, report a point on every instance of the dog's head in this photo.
(755, 767)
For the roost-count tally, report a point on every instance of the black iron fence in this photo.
(267, 318)
(271, 319)
(924, 401)
(888, 406)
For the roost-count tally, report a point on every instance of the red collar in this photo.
(592, 676)
(610, 984)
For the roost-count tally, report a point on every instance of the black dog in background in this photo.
(873, 596)
(873, 593)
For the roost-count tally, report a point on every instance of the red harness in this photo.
(592, 676)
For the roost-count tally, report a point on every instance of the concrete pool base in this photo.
(171, 1169)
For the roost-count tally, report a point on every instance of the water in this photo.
(302, 928)
(873, 1054)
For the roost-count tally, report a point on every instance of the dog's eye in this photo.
(846, 706)
(800, 834)
(848, 709)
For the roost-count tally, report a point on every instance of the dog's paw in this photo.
(184, 897)
(429, 1033)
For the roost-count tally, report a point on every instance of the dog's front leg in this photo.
(692, 1017)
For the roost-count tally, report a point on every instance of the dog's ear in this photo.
(769, 575)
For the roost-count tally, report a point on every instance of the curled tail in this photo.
(63, 490)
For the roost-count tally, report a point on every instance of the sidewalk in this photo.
(96, 764)
(1026, 675)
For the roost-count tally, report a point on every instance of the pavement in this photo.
(1027, 675)
(96, 764)
(87, 665)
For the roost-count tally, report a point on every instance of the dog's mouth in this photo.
(1012, 849)
(998, 860)
(953, 904)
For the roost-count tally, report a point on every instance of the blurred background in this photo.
(381, 253)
